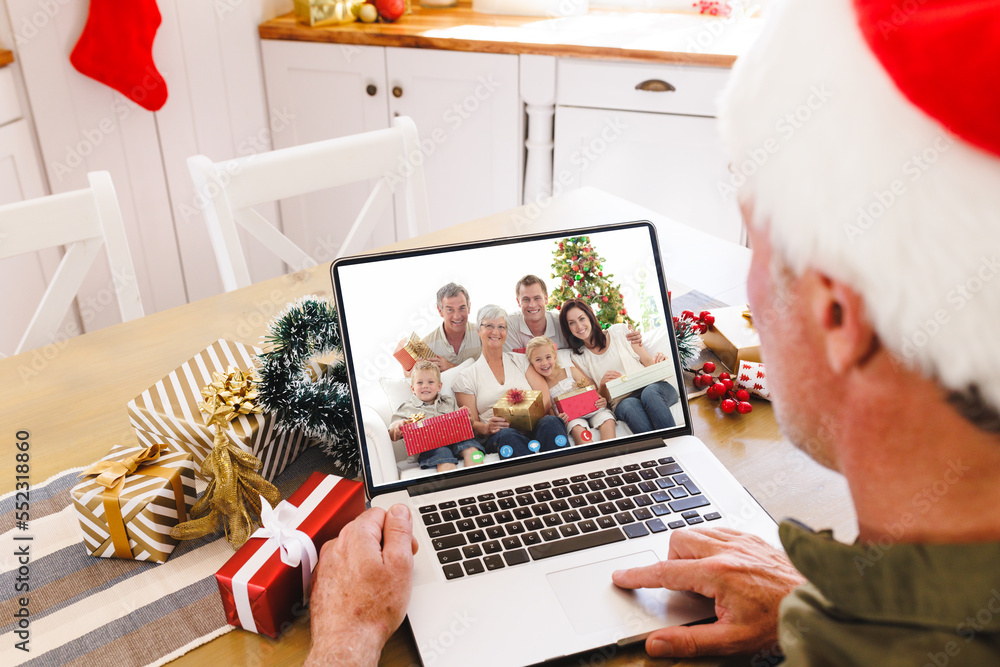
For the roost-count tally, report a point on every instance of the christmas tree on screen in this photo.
(579, 273)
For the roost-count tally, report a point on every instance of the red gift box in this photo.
(579, 403)
(410, 351)
(433, 432)
(260, 592)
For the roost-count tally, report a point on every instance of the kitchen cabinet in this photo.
(465, 105)
(646, 133)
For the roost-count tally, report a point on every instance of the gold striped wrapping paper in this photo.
(168, 412)
(147, 502)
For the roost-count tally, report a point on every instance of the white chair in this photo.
(83, 221)
(233, 187)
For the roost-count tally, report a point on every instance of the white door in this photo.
(672, 164)
(468, 114)
(326, 91)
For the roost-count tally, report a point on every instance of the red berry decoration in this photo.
(727, 383)
(728, 406)
(743, 395)
(725, 376)
(744, 408)
(709, 367)
(709, 319)
(719, 390)
(687, 315)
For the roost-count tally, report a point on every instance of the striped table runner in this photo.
(107, 611)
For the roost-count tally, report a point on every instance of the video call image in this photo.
(474, 356)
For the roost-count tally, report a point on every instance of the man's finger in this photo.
(679, 575)
(397, 536)
(695, 543)
(695, 640)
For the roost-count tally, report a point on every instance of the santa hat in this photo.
(867, 135)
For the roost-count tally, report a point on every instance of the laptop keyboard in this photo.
(492, 531)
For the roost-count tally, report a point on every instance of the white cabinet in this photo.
(467, 110)
(323, 91)
(647, 134)
(465, 105)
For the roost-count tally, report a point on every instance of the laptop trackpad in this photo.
(593, 603)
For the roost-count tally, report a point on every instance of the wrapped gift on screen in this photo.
(130, 499)
(578, 402)
(733, 337)
(626, 384)
(168, 412)
(263, 584)
(412, 350)
(521, 408)
(422, 434)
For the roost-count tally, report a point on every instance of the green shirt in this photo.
(918, 605)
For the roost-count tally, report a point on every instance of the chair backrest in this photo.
(232, 188)
(83, 221)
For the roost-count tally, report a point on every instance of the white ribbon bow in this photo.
(294, 546)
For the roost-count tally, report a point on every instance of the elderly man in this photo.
(456, 339)
(876, 237)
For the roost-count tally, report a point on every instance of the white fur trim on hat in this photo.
(858, 183)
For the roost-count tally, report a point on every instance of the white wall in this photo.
(208, 52)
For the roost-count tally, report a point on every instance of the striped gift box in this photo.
(146, 501)
(168, 412)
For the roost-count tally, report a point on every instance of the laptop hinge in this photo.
(534, 465)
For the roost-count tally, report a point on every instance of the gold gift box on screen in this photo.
(523, 416)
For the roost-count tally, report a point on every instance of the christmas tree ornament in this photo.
(116, 49)
(304, 331)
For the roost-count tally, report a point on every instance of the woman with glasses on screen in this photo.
(480, 386)
(606, 355)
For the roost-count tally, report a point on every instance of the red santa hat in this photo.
(866, 134)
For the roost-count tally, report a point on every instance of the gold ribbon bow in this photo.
(112, 475)
(232, 499)
(413, 419)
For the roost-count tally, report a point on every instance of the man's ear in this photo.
(839, 313)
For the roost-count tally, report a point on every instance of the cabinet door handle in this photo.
(397, 91)
(371, 89)
(655, 86)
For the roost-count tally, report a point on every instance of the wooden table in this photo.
(71, 396)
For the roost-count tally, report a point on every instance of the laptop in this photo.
(516, 554)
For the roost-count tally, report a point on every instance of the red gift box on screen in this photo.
(577, 403)
(433, 432)
(260, 591)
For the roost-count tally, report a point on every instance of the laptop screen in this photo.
(532, 340)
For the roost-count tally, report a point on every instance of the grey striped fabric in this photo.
(108, 611)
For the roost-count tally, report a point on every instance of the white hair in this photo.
(858, 183)
(491, 312)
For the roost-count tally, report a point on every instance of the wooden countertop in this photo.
(6, 57)
(665, 37)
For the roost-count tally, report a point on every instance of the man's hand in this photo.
(361, 588)
(745, 576)
(442, 363)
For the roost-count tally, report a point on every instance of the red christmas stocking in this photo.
(116, 48)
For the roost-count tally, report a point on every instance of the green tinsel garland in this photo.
(304, 329)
